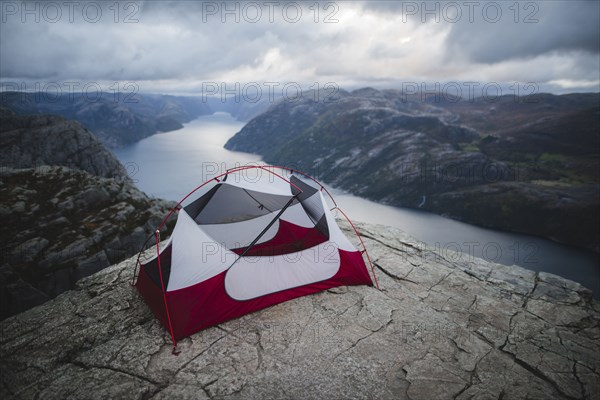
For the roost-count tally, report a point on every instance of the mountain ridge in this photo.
(119, 119)
(116, 119)
(395, 149)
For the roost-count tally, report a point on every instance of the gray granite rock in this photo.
(83, 223)
(438, 328)
(64, 198)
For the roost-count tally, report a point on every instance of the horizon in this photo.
(53, 95)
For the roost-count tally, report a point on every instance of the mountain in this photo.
(68, 209)
(243, 108)
(443, 326)
(31, 141)
(116, 119)
(528, 165)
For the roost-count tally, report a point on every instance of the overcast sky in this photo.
(179, 46)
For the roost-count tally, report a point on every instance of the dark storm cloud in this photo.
(160, 40)
(491, 32)
(549, 26)
(182, 43)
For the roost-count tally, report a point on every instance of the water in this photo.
(169, 165)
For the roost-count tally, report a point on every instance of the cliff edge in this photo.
(68, 209)
(443, 326)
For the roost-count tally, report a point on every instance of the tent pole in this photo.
(137, 262)
(162, 284)
(289, 203)
(216, 178)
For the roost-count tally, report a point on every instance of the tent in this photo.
(247, 239)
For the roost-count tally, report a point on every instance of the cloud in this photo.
(178, 45)
(528, 30)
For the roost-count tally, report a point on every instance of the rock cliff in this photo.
(68, 209)
(35, 140)
(443, 326)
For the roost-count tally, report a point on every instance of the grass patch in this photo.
(469, 148)
(556, 183)
(552, 157)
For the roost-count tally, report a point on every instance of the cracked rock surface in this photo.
(441, 327)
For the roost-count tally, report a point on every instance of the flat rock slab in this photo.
(441, 327)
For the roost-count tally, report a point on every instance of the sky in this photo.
(185, 47)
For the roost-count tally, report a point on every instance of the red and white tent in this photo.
(245, 241)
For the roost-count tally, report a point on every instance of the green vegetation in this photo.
(552, 157)
(562, 182)
(469, 147)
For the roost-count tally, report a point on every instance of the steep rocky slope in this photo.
(68, 209)
(522, 164)
(443, 326)
(62, 224)
(114, 118)
(32, 141)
